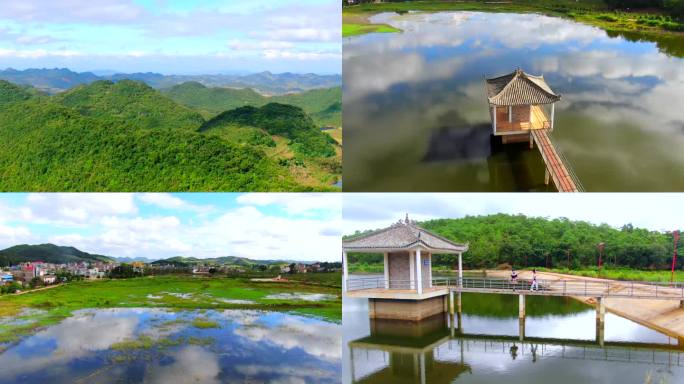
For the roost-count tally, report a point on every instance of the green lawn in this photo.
(360, 29)
(177, 292)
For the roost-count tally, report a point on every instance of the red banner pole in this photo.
(675, 234)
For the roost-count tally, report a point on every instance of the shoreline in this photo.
(611, 21)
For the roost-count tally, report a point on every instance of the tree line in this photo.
(523, 242)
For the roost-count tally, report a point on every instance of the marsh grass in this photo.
(200, 293)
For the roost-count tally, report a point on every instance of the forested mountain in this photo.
(282, 120)
(48, 253)
(10, 93)
(323, 105)
(130, 101)
(127, 136)
(533, 241)
(60, 79)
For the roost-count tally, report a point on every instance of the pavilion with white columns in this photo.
(407, 273)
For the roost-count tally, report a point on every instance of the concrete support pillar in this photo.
(422, 368)
(371, 308)
(344, 271)
(600, 309)
(521, 306)
(419, 273)
(521, 329)
(546, 176)
(459, 323)
(494, 119)
(451, 302)
(600, 319)
(458, 303)
(681, 303)
(553, 113)
(452, 326)
(386, 270)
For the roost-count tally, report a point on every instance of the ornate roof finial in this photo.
(407, 219)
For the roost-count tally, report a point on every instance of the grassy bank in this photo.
(626, 274)
(592, 12)
(23, 314)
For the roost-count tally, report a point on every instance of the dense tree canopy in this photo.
(524, 241)
(281, 120)
(127, 136)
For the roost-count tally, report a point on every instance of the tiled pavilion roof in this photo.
(519, 88)
(402, 235)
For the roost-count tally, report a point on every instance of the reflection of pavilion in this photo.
(405, 352)
(433, 351)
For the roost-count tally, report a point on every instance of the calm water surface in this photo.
(559, 347)
(249, 346)
(416, 115)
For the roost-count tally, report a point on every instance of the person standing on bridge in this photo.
(535, 285)
(514, 278)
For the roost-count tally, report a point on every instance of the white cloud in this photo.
(168, 201)
(294, 203)
(37, 53)
(77, 208)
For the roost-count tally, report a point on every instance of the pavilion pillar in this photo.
(553, 113)
(412, 271)
(419, 273)
(460, 269)
(510, 114)
(494, 119)
(344, 271)
(386, 270)
(546, 176)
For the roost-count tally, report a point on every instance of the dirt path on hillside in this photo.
(662, 315)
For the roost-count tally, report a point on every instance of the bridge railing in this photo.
(569, 287)
(361, 283)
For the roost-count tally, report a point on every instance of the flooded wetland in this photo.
(416, 113)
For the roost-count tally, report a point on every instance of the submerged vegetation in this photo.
(39, 309)
(127, 136)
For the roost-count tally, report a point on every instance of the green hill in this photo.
(324, 105)
(225, 260)
(10, 93)
(282, 120)
(48, 253)
(45, 146)
(130, 101)
(214, 100)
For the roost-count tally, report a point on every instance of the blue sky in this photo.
(173, 36)
(260, 226)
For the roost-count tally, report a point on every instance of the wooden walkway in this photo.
(560, 172)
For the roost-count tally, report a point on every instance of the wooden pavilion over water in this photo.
(518, 103)
(405, 291)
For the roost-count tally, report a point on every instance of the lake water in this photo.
(94, 346)
(559, 346)
(416, 116)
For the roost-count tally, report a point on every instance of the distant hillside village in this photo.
(36, 274)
